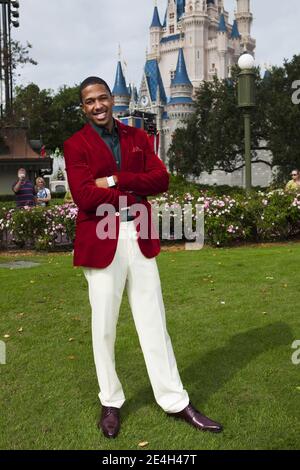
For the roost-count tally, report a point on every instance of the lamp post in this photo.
(9, 15)
(246, 101)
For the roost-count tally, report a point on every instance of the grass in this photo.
(233, 315)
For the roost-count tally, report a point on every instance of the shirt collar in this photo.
(105, 132)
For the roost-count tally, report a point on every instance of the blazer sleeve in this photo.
(87, 196)
(154, 180)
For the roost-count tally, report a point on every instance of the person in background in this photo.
(24, 190)
(42, 193)
(294, 183)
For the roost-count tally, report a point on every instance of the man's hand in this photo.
(102, 182)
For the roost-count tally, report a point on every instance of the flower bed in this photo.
(259, 217)
(39, 228)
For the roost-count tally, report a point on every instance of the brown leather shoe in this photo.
(196, 419)
(110, 421)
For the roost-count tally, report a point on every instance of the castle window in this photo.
(172, 29)
(198, 55)
(171, 16)
(172, 73)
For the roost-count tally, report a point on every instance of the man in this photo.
(105, 162)
(294, 184)
(24, 190)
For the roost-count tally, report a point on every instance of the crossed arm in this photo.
(88, 194)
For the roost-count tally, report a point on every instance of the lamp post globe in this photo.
(246, 62)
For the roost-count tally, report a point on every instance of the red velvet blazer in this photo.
(142, 173)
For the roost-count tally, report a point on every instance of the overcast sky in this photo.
(72, 39)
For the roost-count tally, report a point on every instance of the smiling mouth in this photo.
(101, 116)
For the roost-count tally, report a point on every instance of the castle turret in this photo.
(181, 103)
(120, 93)
(172, 17)
(235, 41)
(155, 34)
(212, 11)
(195, 28)
(244, 19)
(222, 42)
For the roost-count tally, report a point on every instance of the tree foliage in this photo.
(213, 137)
(20, 56)
(53, 117)
(283, 116)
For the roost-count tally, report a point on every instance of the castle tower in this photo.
(244, 19)
(181, 103)
(155, 35)
(196, 42)
(236, 41)
(170, 41)
(222, 45)
(195, 29)
(120, 93)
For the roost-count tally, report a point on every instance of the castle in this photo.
(195, 42)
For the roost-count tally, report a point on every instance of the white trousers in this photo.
(106, 287)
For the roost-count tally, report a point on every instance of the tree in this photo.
(20, 56)
(17, 55)
(67, 116)
(53, 117)
(32, 107)
(283, 117)
(214, 135)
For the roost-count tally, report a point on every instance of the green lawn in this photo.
(233, 315)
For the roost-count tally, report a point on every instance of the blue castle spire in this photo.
(235, 34)
(154, 80)
(120, 88)
(181, 75)
(222, 24)
(180, 8)
(155, 20)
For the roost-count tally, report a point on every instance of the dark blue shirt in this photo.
(26, 194)
(112, 141)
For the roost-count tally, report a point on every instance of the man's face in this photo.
(295, 175)
(97, 104)
(22, 174)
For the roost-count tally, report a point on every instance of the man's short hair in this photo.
(92, 81)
